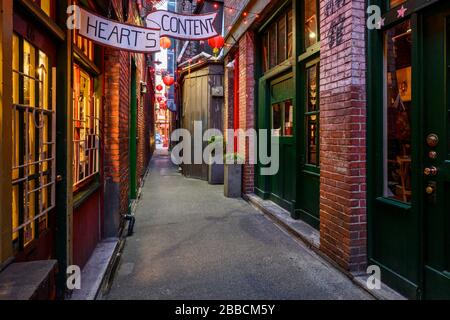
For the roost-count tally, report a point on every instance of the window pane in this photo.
(273, 45)
(265, 51)
(312, 136)
(397, 127)
(310, 23)
(288, 118)
(281, 39)
(45, 6)
(29, 70)
(15, 211)
(311, 76)
(43, 78)
(276, 119)
(15, 66)
(86, 127)
(289, 34)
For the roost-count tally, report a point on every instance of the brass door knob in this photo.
(432, 155)
(432, 140)
(431, 171)
(429, 190)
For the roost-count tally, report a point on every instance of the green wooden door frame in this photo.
(263, 100)
(396, 230)
(133, 132)
(64, 146)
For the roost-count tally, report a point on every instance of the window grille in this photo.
(86, 124)
(33, 142)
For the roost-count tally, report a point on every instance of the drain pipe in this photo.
(131, 220)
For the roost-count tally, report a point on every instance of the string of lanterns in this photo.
(216, 43)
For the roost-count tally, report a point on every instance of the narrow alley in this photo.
(191, 242)
(224, 149)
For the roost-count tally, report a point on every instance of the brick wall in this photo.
(143, 123)
(342, 131)
(247, 102)
(116, 132)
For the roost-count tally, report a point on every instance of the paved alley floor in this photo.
(191, 242)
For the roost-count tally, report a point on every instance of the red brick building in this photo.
(89, 121)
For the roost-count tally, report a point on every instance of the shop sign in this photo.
(141, 39)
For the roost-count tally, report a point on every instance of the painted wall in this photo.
(86, 228)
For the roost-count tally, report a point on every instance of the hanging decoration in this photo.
(182, 26)
(168, 80)
(216, 43)
(110, 33)
(159, 87)
(165, 42)
(160, 99)
(159, 23)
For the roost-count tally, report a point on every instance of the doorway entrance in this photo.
(409, 153)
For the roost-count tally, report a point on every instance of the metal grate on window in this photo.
(33, 137)
(86, 124)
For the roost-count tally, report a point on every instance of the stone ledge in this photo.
(301, 229)
(94, 271)
(28, 280)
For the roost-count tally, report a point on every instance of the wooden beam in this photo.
(64, 147)
(40, 16)
(6, 32)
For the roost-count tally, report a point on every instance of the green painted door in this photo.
(409, 153)
(308, 142)
(436, 152)
(281, 108)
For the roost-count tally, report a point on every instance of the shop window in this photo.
(45, 5)
(283, 119)
(310, 31)
(276, 119)
(86, 46)
(86, 128)
(33, 143)
(312, 114)
(397, 112)
(277, 41)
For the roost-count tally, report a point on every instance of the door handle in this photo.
(431, 171)
(430, 190)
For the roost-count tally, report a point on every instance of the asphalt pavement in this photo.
(191, 242)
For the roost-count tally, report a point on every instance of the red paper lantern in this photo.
(159, 87)
(168, 80)
(216, 43)
(159, 99)
(165, 42)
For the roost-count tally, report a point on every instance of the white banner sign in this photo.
(118, 35)
(181, 26)
(138, 39)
